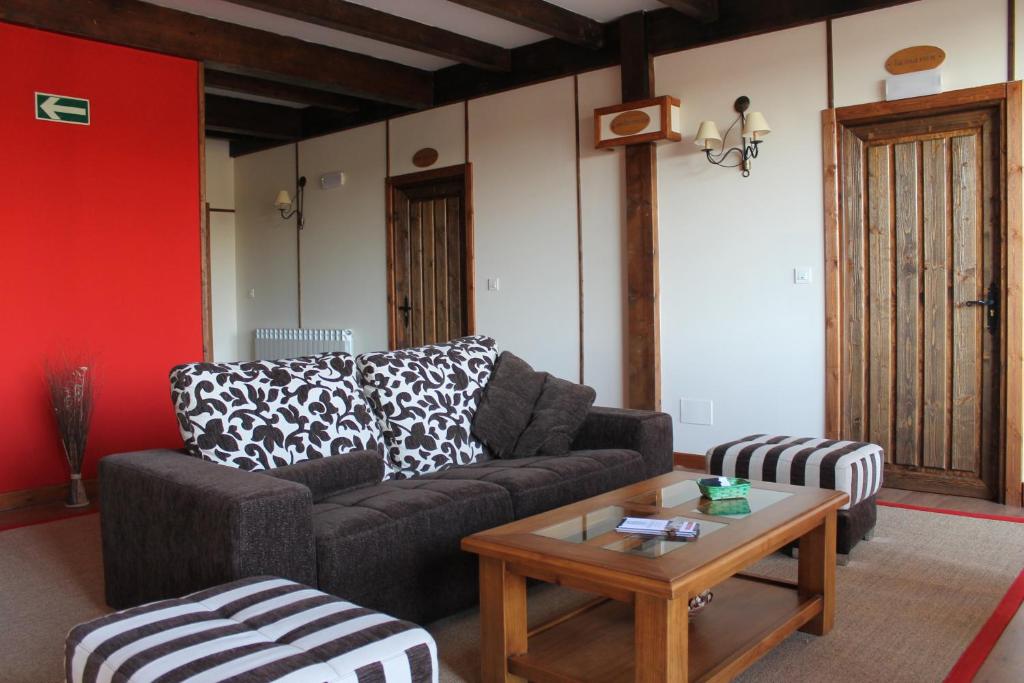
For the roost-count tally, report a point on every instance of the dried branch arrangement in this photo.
(72, 399)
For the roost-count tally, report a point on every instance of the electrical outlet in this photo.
(696, 411)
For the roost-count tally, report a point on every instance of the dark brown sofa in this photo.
(173, 523)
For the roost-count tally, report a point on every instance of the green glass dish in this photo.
(737, 488)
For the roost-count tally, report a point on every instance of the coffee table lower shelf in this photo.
(745, 620)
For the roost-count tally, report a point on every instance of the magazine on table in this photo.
(677, 528)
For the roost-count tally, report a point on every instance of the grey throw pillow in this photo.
(507, 404)
(557, 417)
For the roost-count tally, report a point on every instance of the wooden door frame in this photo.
(1006, 96)
(464, 171)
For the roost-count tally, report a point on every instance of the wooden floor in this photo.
(1004, 665)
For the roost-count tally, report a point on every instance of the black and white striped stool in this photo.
(253, 630)
(850, 466)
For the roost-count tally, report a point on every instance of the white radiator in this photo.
(274, 344)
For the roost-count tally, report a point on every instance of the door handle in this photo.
(991, 305)
(405, 308)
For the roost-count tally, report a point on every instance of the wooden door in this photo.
(431, 260)
(921, 278)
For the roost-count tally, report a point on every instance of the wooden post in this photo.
(643, 324)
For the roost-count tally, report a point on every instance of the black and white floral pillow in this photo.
(260, 415)
(425, 399)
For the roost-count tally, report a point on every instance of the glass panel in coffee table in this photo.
(638, 629)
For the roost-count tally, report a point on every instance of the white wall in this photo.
(265, 245)
(973, 34)
(734, 328)
(220, 194)
(443, 128)
(522, 146)
(602, 186)
(344, 281)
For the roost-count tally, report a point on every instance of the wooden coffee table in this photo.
(638, 628)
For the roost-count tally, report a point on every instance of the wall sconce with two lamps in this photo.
(289, 207)
(752, 131)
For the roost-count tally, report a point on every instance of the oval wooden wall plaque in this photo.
(629, 122)
(425, 157)
(917, 58)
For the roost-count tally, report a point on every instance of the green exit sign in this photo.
(62, 109)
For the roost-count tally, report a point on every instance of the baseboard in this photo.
(691, 461)
(13, 500)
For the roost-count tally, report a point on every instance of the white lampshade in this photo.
(755, 126)
(283, 200)
(707, 134)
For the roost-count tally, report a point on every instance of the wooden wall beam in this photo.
(256, 119)
(643, 322)
(545, 17)
(389, 28)
(703, 11)
(227, 46)
(238, 83)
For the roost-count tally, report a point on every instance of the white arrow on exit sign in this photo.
(62, 108)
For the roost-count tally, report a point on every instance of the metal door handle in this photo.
(991, 305)
(405, 308)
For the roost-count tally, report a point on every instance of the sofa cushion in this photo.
(545, 482)
(507, 404)
(258, 415)
(403, 536)
(557, 416)
(425, 399)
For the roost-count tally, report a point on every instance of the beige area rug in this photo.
(910, 601)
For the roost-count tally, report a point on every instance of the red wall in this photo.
(100, 244)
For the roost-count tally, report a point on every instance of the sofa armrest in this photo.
(172, 524)
(647, 432)
(325, 476)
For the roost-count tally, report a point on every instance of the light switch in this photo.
(252, 293)
(493, 284)
(696, 411)
(802, 276)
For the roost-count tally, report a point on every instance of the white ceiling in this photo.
(440, 13)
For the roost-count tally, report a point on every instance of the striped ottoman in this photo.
(850, 466)
(253, 630)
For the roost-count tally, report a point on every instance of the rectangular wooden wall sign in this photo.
(641, 121)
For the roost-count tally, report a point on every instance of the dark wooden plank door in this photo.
(429, 262)
(921, 247)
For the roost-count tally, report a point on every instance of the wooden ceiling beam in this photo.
(388, 28)
(238, 83)
(545, 17)
(667, 31)
(232, 116)
(670, 31)
(703, 11)
(226, 46)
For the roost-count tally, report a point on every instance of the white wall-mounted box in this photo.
(914, 84)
